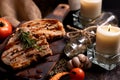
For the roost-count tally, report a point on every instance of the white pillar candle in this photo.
(107, 39)
(91, 8)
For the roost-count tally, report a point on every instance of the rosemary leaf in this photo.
(27, 41)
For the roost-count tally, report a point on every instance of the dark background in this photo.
(47, 6)
(107, 5)
(112, 6)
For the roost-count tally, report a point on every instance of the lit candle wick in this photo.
(109, 27)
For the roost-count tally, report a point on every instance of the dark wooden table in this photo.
(96, 72)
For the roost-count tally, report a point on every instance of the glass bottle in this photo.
(72, 18)
(79, 41)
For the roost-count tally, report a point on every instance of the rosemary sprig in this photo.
(27, 41)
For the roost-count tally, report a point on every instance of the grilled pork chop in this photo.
(39, 30)
(51, 28)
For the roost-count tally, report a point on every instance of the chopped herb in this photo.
(27, 41)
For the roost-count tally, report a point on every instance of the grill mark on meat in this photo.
(44, 25)
(40, 30)
(47, 27)
(17, 54)
(10, 51)
(11, 44)
(28, 51)
(23, 60)
(49, 21)
(32, 24)
(20, 53)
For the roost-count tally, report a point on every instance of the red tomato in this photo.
(5, 28)
(77, 74)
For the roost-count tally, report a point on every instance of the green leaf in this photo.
(27, 41)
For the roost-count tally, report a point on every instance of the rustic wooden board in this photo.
(39, 70)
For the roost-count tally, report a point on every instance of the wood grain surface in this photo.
(94, 73)
(38, 71)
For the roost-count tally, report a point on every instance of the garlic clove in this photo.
(76, 62)
(69, 64)
(82, 58)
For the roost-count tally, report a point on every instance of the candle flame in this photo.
(109, 26)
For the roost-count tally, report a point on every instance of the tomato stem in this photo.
(73, 72)
(1, 24)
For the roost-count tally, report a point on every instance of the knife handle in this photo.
(60, 12)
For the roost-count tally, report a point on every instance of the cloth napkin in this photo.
(19, 10)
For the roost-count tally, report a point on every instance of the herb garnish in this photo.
(27, 41)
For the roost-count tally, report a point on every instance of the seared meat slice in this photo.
(40, 30)
(51, 28)
(18, 57)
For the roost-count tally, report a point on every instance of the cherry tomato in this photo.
(5, 28)
(77, 74)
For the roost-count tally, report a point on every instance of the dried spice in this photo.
(59, 67)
